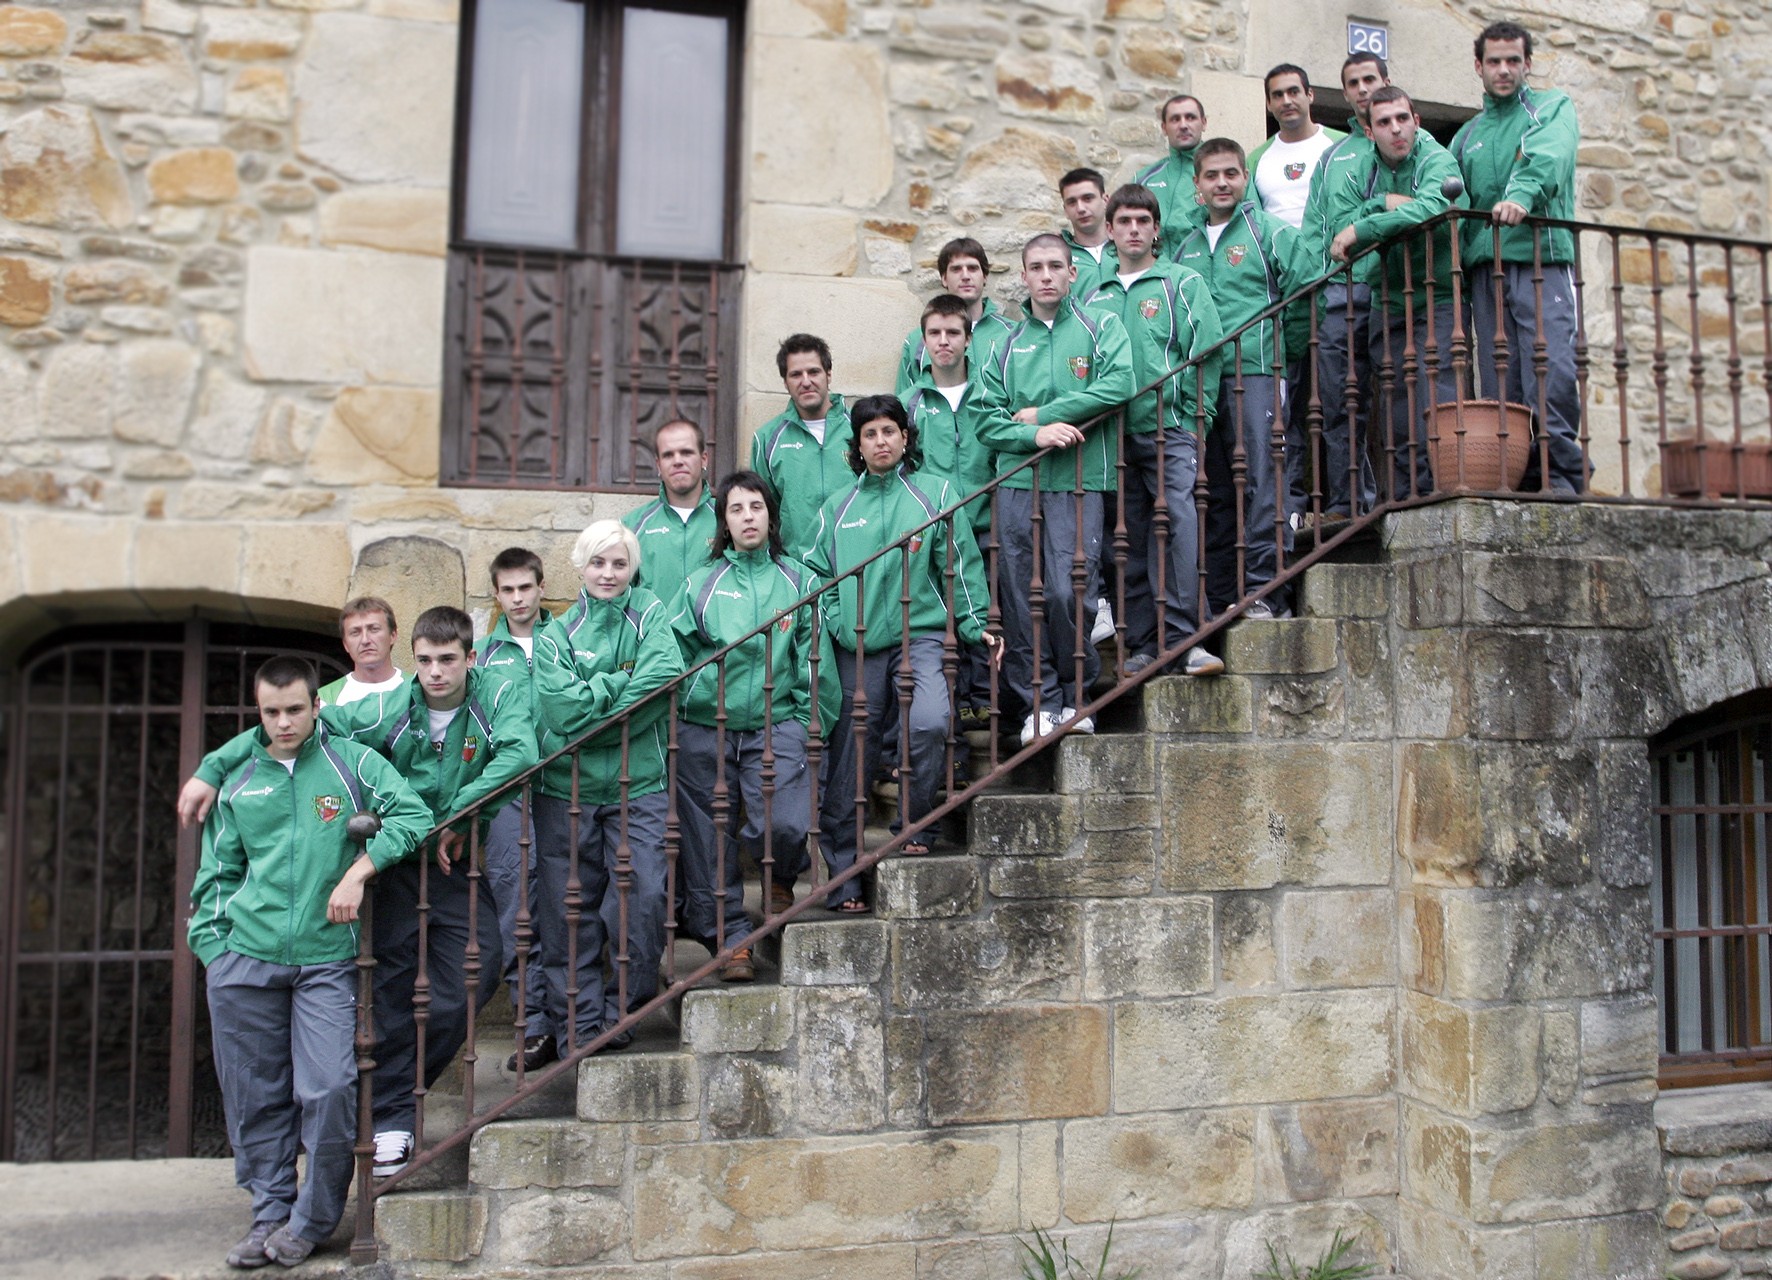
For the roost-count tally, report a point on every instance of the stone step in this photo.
(928, 888)
(1335, 590)
(1282, 646)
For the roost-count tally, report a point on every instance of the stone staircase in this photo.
(924, 1086)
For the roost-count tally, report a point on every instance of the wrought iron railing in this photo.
(1699, 358)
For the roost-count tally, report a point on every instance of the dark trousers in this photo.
(1402, 348)
(878, 675)
(284, 1056)
(1054, 665)
(396, 971)
(708, 867)
(505, 878)
(1248, 419)
(1170, 459)
(1342, 340)
(1523, 325)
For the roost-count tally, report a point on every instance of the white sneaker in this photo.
(1104, 622)
(1047, 727)
(1260, 609)
(393, 1148)
(1085, 725)
(1201, 663)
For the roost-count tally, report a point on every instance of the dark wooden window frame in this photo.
(554, 358)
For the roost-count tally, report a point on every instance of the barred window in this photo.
(1712, 923)
(591, 291)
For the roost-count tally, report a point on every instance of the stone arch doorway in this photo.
(104, 1033)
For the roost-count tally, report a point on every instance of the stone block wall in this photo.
(1718, 1149)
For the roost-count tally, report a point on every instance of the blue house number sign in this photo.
(1366, 37)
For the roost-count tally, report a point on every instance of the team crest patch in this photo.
(916, 543)
(1294, 171)
(784, 622)
(470, 747)
(1080, 366)
(1148, 308)
(326, 808)
(1236, 253)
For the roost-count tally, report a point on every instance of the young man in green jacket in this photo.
(607, 652)
(742, 721)
(675, 529)
(965, 270)
(273, 906)
(1082, 194)
(1053, 385)
(462, 736)
(802, 452)
(1343, 312)
(1170, 319)
(1404, 188)
(1518, 159)
(1171, 179)
(1251, 260)
(879, 639)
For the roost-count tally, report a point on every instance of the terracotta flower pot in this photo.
(1680, 478)
(1472, 429)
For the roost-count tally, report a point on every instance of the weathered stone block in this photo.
(852, 953)
(377, 98)
(1546, 946)
(126, 71)
(1147, 948)
(74, 396)
(1024, 826)
(644, 1086)
(1432, 685)
(1120, 813)
(558, 1228)
(1023, 951)
(196, 175)
(1431, 1243)
(431, 1226)
(1698, 1124)
(1619, 1038)
(928, 888)
(250, 35)
(1247, 956)
(1048, 87)
(384, 317)
(547, 1153)
(841, 1055)
(26, 291)
(733, 1197)
(1019, 1063)
(1339, 938)
(56, 171)
(156, 382)
(904, 1072)
(799, 239)
(1470, 1060)
(1346, 591)
(176, 556)
(1281, 646)
(749, 1099)
(1521, 685)
(826, 159)
(878, 1262)
(303, 563)
(26, 33)
(1369, 692)
(1109, 864)
(1112, 763)
(864, 317)
(1253, 816)
(1305, 1231)
(395, 219)
(1302, 707)
(1343, 1149)
(378, 435)
(1432, 592)
(1244, 1049)
(1544, 590)
(1221, 705)
(1130, 1167)
(738, 1020)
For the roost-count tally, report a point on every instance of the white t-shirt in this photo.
(1283, 174)
(953, 395)
(527, 645)
(354, 690)
(440, 722)
(288, 764)
(815, 426)
(683, 513)
(1130, 278)
(1095, 250)
(1213, 232)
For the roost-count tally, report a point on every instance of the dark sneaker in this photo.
(287, 1249)
(250, 1252)
(393, 1148)
(536, 1053)
(739, 968)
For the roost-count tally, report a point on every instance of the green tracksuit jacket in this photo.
(1170, 318)
(1521, 149)
(1171, 180)
(670, 546)
(490, 741)
(989, 332)
(1419, 177)
(500, 654)
(950, 444)
(594, 661)
(1073, 371)
(1258, 261)
(875, 512)
(729, 599)
(274, 848)
(1334, 202)
(1090, 273)
(803, 472)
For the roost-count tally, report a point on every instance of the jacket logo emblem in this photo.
(262, 791)
(916, 543)
(1293, 171)
(1236, 253)
(1148, 308)
(783, 623)
(1079, 366)
(470, 747)
(326, 808)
